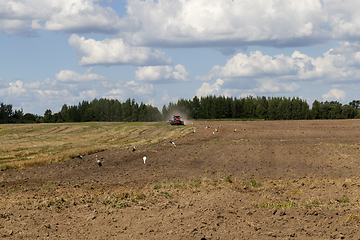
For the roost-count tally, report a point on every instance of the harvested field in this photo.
(267, 179)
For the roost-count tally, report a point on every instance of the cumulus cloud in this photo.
(123, 91)
(114, 52)
(336, 65)
(68, 76)
(228, 23)
(273, 86)
(16, 88)
(254, 65)
(207, 89)
(162, 74)
(334, 94)
(66, 15)
(219, 24)
(71, 88)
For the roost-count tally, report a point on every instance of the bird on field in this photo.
(213, 133)
(144, 159)
(172, 143)
(216, 130)
(98, 162)
(134, 149)
(244, 129)
(80, 157)
(194, 131)
(235, 130)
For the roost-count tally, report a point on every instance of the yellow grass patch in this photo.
(25, 145)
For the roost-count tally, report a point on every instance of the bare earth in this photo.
(269, 179)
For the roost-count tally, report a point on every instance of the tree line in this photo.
(209, 107)
(271, 108)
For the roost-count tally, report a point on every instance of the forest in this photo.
(209, 107)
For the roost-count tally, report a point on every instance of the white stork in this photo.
(98, 162)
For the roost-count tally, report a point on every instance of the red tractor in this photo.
(176, 120)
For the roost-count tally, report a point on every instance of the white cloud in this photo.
(70, 88)
(65, 15)
(123, 91)
(114, 52)
(16, 88)
(272, 86)
(207, 89)
(232, 23)
(218, 24)
(254, 65)
(337, 65)
(68, 76)
(334, 94)
(162, 74)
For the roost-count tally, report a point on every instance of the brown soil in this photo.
(269, 179)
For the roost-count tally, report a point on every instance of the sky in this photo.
(56, 52)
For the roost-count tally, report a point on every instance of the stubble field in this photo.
(267, 179)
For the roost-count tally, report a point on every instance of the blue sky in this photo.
(57, 52)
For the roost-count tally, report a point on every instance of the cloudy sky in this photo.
(54, 52)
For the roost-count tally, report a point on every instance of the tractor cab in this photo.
(176, 120)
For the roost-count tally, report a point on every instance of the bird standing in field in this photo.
(98, 162)
(134, 149)
(144, 159)
(80, 157)
(172, 143)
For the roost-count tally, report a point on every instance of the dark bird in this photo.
(172, 143)
(134, 149)
(80, 157)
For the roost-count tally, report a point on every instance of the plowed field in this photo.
(267, 179)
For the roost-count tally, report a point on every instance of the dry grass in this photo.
(25, 145)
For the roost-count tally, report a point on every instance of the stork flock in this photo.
(99, 163)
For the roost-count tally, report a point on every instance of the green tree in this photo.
(127, 111)
(65, 113)
(29, 118)
(237, 108)
(315, 110)
(5, 113)
(47, 116)
(195, 108)
(89, 115)
(347, 112)
(355, 104)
